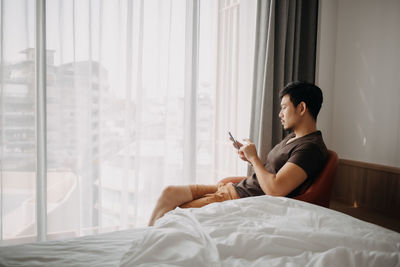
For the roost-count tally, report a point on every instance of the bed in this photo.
(258, 231)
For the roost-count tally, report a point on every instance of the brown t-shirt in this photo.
(308, 152)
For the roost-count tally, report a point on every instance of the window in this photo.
(133, 87)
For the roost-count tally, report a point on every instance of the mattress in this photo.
(257, 231)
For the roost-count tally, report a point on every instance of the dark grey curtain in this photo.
(285, 51)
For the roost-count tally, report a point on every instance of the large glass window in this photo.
(117, 96)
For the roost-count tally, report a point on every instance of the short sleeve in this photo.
(308, 157)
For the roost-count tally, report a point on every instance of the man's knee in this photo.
(176, 194)
(169, 191)
(173, 192)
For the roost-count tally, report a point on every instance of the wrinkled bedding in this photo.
(258, 231)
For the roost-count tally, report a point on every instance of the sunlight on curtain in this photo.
(115, 108)
(17, 110)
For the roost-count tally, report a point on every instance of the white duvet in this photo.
(258, 231)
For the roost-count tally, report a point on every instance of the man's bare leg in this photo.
(171, 197)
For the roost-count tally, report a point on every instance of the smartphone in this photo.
(234, 141)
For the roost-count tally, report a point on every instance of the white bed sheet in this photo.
(258, 231)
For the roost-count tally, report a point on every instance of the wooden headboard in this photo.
(367, 185)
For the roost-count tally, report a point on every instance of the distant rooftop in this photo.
(30, 55)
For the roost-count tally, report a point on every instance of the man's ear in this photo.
(302, 107)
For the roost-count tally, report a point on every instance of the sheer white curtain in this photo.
(140, 95)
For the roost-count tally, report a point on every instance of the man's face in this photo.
(288, 113)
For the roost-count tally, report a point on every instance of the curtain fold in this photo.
(285, 51)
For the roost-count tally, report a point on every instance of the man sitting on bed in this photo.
(290, 168)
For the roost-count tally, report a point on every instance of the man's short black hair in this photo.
(304, 92)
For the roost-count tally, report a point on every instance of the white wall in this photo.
(325, 65)
(359, 71)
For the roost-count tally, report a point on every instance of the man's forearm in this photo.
(265, 178)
